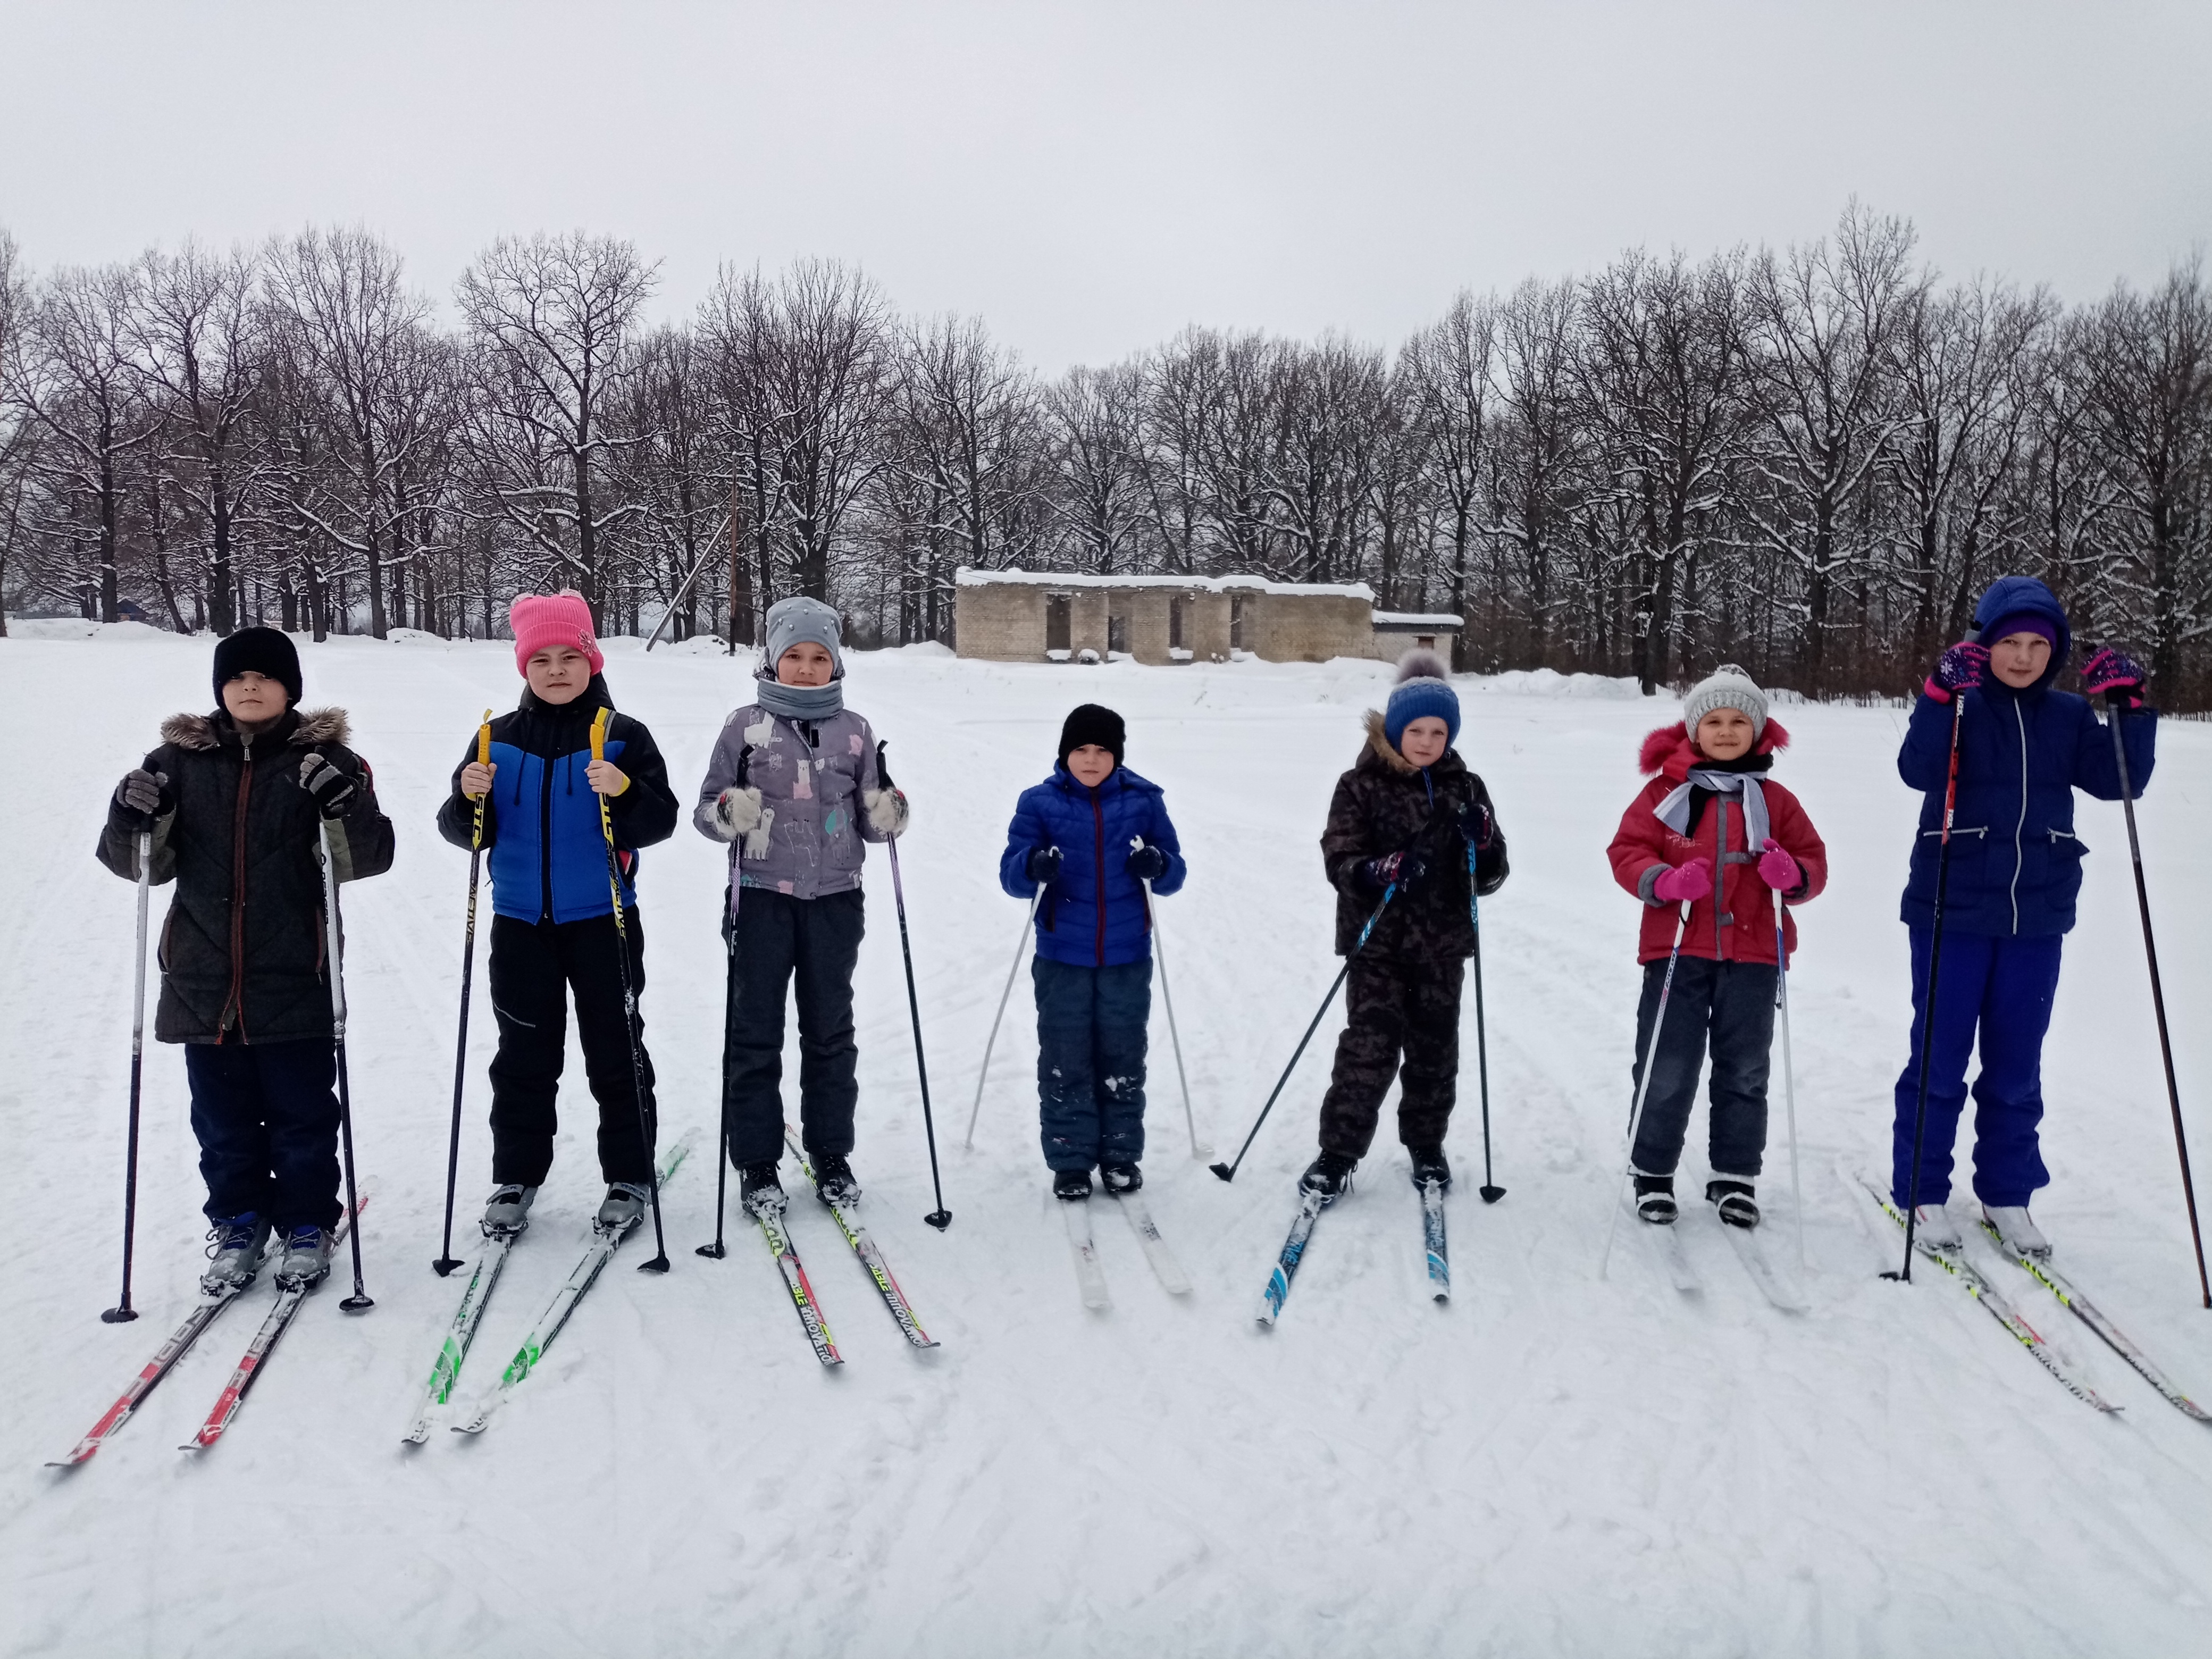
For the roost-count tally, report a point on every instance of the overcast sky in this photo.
(1090, 177)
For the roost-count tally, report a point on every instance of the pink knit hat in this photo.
(540, 620)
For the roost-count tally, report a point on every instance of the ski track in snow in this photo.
(1552, 1463)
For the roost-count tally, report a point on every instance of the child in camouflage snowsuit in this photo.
(1409, 828)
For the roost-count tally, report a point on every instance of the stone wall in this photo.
(1007, 621)
(1307, 627)
(1001, 623)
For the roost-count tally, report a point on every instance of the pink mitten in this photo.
(1687, 885)
(1777, 869)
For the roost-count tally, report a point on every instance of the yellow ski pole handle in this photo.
(607, 821)
(483, 758)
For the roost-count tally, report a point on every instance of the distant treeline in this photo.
(1806, 460)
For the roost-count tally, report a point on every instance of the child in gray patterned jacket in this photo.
(793, 787)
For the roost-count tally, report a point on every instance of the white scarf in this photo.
(1674, 811)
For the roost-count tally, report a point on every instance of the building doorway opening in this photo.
(1057, 624)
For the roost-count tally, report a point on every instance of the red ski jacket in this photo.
(1736, 922)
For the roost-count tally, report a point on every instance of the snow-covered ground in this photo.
(1551, 1464)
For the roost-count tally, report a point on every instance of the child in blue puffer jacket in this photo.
(2015, 868)
(553, 931)
(1091, 836)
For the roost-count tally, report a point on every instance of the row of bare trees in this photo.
(1808, 460)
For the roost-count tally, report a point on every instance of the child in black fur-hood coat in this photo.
(234, 805)
(1410, 822)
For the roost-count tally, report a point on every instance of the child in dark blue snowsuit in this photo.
(1091, 836)
(2015, 870)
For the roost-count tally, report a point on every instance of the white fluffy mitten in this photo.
(736, 811)
(887, 811)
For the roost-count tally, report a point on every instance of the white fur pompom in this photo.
(1419, 664)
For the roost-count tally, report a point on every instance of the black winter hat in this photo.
(257, 651)
(1090, 723)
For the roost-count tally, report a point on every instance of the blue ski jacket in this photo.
(1093, 913)
(548, 853)
(2015, 861)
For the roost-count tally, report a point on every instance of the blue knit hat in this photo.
(1424, 688)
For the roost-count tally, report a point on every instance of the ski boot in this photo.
(508, 1211)
(1071, 1185)
(235, 1247)
(1732, 1197)
(1328, 1177)
(760, 1189)
(1119, 1178)
(1933, 1227)
(306, 1262)
(1430, 1164)
(624, 1207)
(2016, 1232)
(1655, 1198)
(834, 1180)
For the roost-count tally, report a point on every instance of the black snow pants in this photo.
(1401, 1020)
(534, 968)
(809, 946)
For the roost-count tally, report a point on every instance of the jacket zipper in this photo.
(236, 1008)
(1098, 844)
(545, 839)
(2019, 714)
(1720, 877)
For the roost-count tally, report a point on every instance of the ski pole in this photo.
(984, 1071)
(1904, 1275)
(2157, 994)
(359, 1301)
(1643, 1088)
(1159, 950)
(717, 1251)
(1228, 1171)
(1491, 1191)
(123, 1313)
(659, 1262)
(940, 1217)
(1788, 1068)
(446, 1262)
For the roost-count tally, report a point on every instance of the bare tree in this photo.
(1447, 370)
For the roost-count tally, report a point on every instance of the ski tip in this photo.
(1224, 1170)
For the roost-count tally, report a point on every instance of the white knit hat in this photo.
(1726, 687)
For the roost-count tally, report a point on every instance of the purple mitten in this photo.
(2113, 674)
(1958, 668)
(1777, 869)
(1687, 885)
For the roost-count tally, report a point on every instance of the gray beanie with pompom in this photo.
(1726, 687)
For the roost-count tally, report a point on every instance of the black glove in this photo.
(144, 796)
(1044, 864)
(1476, 824)
(1397, 870)
(1148, 863)
(330, 788)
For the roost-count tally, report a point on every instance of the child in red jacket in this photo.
(1711, 831)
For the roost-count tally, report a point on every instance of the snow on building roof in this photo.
(966, 576)
(1410, 620)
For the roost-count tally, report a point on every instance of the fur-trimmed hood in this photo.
(1667, 750)
(314, 725)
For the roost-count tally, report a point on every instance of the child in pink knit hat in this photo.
(553, 933)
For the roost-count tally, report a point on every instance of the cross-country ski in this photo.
(606, 1241)
(865, 1249)
(292, 1293)
(1083, 1251)
(1168, 1270)
(446, 1370)
(1433, 1243)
